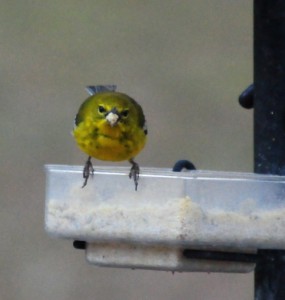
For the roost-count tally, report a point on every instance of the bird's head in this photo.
(112, 110)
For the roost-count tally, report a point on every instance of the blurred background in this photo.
(185, 62)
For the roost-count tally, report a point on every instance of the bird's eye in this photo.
(125, 113)
(101, 109)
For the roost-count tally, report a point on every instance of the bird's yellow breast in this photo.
(102, 141)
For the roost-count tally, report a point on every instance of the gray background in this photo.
(184, 61)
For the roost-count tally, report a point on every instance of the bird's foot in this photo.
(134, 172)
(87, 171)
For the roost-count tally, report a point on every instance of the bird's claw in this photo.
(87, 171)
(135, 173)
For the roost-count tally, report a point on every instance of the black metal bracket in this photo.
(220, 256)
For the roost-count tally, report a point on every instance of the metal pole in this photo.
(269, 127)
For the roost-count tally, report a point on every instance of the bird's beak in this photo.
(113, 117)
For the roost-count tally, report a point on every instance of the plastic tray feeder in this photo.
(170, 214)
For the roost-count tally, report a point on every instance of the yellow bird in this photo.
(110, 126)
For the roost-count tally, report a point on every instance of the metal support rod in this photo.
(269, 126)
